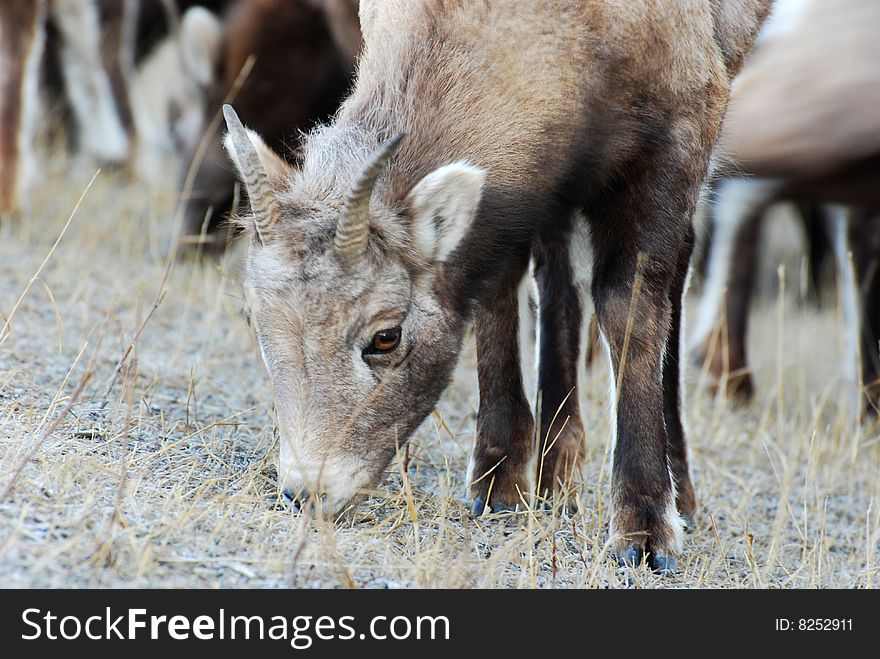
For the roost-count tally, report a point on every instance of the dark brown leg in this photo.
(641, 239)
(634, 315)
(726, 349)
(864, 239)
(20, 21)
(703, 249)
(562, 316)
(819, 247)
(686, 501)
(500, 470)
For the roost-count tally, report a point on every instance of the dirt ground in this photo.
(163, 476)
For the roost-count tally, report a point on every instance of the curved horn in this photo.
(264, 206)
(353, 229)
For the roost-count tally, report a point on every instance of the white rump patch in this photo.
(784, 17)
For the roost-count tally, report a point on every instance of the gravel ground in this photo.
(163, 476)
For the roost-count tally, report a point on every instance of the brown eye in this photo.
(384, 340)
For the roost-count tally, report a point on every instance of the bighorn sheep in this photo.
(473, 136)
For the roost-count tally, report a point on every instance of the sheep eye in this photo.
(384, 340)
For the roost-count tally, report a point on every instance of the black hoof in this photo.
(631, 557)
(479, 507)
(662, 563)
(570, 508)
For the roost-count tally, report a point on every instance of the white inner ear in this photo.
(443, 206)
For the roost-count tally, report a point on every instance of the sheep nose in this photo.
(303, 499)
(295, 501)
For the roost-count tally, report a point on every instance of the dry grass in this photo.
(169, 484)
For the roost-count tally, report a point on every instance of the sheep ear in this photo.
(201, 35)
(443, 206)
